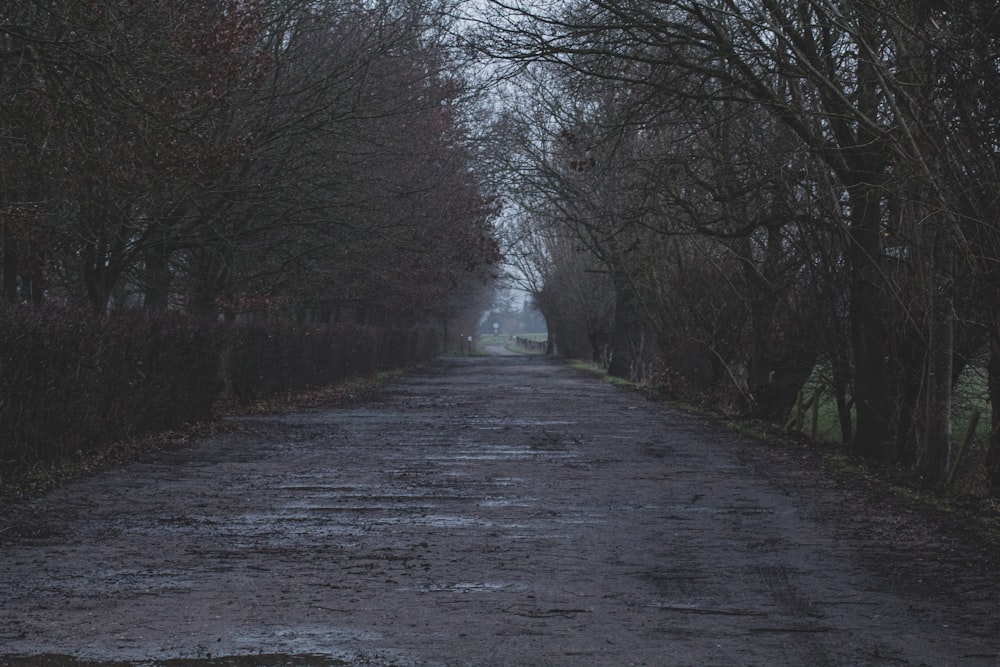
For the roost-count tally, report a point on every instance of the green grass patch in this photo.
(598, 370)
(970, 399)
(494, 339)
(587, 367)
(970, 396)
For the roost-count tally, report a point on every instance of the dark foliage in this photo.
(72, 383)
(268, 360)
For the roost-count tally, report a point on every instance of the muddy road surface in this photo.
(488, 511)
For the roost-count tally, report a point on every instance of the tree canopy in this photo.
(237, 155)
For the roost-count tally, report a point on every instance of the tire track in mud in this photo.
(485, 511)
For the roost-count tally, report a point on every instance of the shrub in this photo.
(268, 360)
(71, 382)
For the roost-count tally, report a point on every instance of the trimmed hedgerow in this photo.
(72, 383)
(268, 360)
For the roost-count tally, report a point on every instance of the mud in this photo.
(488, 511)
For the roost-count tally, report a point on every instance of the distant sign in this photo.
(496, 327)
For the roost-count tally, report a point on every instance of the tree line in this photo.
(236, 156)
(726, 197)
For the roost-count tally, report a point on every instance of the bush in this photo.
(268, 360)
(70, 382)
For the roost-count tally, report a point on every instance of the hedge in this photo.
(71, 383)
(263, 361)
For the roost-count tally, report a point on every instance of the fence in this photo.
(529, 345)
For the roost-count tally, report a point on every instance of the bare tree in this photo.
(869, 90)
(239, 155)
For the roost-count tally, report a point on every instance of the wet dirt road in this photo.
(488, 511)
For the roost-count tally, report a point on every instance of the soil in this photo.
(499, 510)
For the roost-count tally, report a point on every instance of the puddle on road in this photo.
(497, 453)
(270, 660)
(471, 587)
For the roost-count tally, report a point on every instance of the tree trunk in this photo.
(772, 388)
(9, 266)
(993, 456)
(874, 436)
(625, 327)
(936, 450)
(840, 384)
(936, 453)
(911, 359)
(98, 281)
(157, 276)
(210, 273)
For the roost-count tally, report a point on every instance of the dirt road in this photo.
(488, 511)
